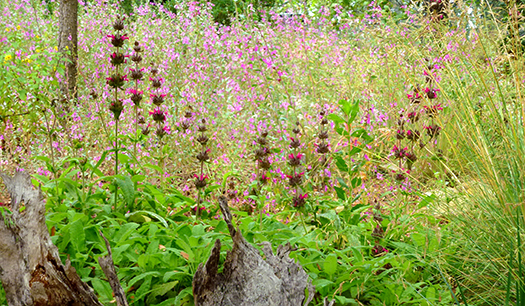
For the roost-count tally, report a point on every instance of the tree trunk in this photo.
(68, 45)
(247, 279)
(30, 267)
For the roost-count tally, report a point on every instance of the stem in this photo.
(198, 212)
(116, 159)
(136, 131)
(304, 224)
(52, 151)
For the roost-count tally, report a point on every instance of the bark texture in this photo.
(108, 267)
(68, 45)
(247, 279)
(30, 267)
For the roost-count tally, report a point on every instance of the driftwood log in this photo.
(247, 279)
(30, 267)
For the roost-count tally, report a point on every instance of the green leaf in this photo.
(354, 110)
(418, 239)
(341, 164)
(357, 255)
(336, 118)
(330, 264)
(346, 106)
(128, 189)
(426, 201)
(144, 289)
(153, 167)
(78, 236)
(154, 215)
(124, 232)
(340, 193)
(363, 134)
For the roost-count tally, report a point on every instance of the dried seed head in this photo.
(264, 134)
(262, 141)
(136, 47)
(145, 131)
(156, 82)
(296, 131)
(188, 114)
(324, 121)
(323, 135)
(260, 153)
(141, 120)
(185, 125)
(136, 74)
(93, 94)
(157, 99)
(323, 148)
(118, 25)
(202, 128)
(136, 98)
(203, 155)
(264, 163)
(202, 139)
(136, 58)
(378, 232)
(413, 135)
(154, 71)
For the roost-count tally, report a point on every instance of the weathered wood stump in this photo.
(247, 279)
(30, 267)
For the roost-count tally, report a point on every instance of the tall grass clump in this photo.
(488, 144)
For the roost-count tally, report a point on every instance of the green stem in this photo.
(116, 159)
(304, 224)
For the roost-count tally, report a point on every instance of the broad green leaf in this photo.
(128, 189)
(154, 215)
(330, 264)
(78, 236)
(336, 118)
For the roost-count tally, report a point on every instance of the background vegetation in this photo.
(384, 140)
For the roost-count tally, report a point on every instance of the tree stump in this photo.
(30, 267)
(247, 279)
